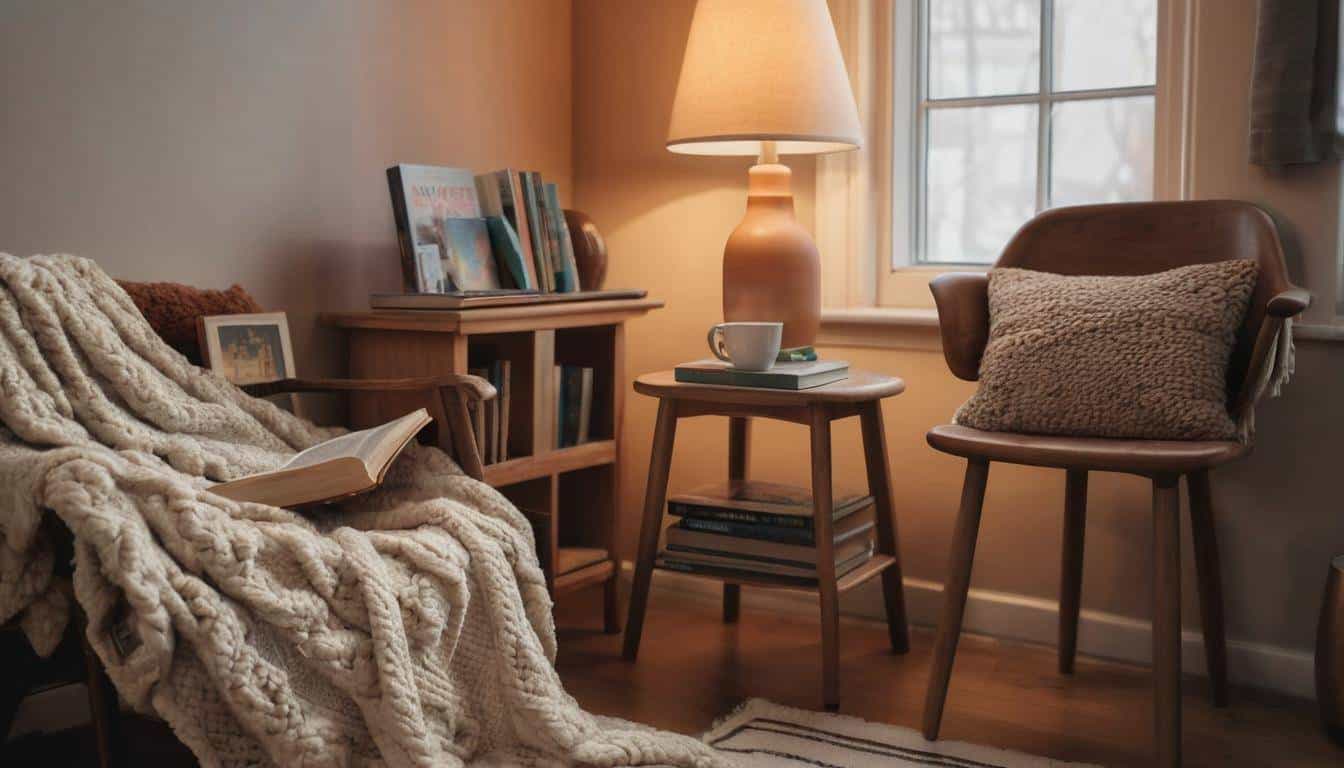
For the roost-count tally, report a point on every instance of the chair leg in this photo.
(105, 710)
(1167, 621)
(954, 593)
(1071, 566)
(1209, 573)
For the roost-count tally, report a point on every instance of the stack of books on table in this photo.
(756, 529)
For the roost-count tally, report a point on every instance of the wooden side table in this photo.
(859, 395)
(569, 494)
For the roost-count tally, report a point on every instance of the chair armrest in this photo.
(963, 319)
(1289, 303)
(472, 386)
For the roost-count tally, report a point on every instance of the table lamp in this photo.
(765, 78)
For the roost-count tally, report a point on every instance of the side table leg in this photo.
(888, 540)
(655, 495)
(739, 457)
(826, 586)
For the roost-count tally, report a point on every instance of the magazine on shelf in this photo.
(438, 212)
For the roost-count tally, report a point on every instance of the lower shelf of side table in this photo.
(874, 566)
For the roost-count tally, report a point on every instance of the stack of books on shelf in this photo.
(490, 419)
(461, 232)
(573, 405)
(795, 369)
(757, 530)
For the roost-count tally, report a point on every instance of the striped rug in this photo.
(761, 733)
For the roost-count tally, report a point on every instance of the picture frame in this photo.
(248, 348)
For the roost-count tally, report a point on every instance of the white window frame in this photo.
(864, 209)
(919, 107)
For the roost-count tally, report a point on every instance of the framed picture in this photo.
(248, 349)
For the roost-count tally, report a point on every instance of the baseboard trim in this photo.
(1033, 620)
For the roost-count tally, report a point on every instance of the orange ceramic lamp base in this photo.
(771, 269)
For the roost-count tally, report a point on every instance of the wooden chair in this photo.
(1123, 239)
(445, 397)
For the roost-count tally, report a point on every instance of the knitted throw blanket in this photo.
(406, 627)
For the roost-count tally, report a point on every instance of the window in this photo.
(1016, 106)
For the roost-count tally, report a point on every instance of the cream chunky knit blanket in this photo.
(407, 627)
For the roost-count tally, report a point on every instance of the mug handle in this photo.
(716, 344)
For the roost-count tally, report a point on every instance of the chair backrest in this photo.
(1142, 238)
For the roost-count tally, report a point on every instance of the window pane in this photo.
(1104, 44)
(1101, 151)
(980, 182)
(983, 47)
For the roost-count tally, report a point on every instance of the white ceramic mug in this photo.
(748, 346)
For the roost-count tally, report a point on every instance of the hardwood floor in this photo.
(692, 669)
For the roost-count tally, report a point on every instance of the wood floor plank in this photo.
(693, 668)
(1007, 695)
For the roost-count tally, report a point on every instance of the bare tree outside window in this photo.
(1023, 105)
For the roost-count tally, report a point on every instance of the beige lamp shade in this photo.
(763, 70)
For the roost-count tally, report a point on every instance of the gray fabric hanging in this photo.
(1294, 106)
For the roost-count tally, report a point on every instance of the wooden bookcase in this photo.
(569, 494)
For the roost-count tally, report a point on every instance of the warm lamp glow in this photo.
(765, 78)
(763, 70)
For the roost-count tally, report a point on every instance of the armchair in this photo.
(1124, 239)
(445, 397)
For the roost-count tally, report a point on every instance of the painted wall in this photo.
(212, 143)
(666, 218)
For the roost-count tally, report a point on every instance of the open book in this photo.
(342, 466)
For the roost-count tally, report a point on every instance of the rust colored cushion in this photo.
(1100, 356)
(172, 310)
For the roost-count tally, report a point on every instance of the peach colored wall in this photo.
(666, 218)
(212, 143)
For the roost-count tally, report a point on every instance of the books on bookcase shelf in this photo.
(490, 419)
(573, 405)
(787, 375)
(461, 233)
(762, 529)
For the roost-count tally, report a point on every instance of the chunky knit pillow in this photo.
(1139, 357)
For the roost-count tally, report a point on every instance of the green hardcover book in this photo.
(537, 226)
(514, 209)
(567, 269)
(793, 376)
(508, 252)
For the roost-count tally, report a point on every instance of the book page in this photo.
(362, 445)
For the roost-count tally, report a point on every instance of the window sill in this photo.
(1327, 332)
(881, 327)
(917, 328)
